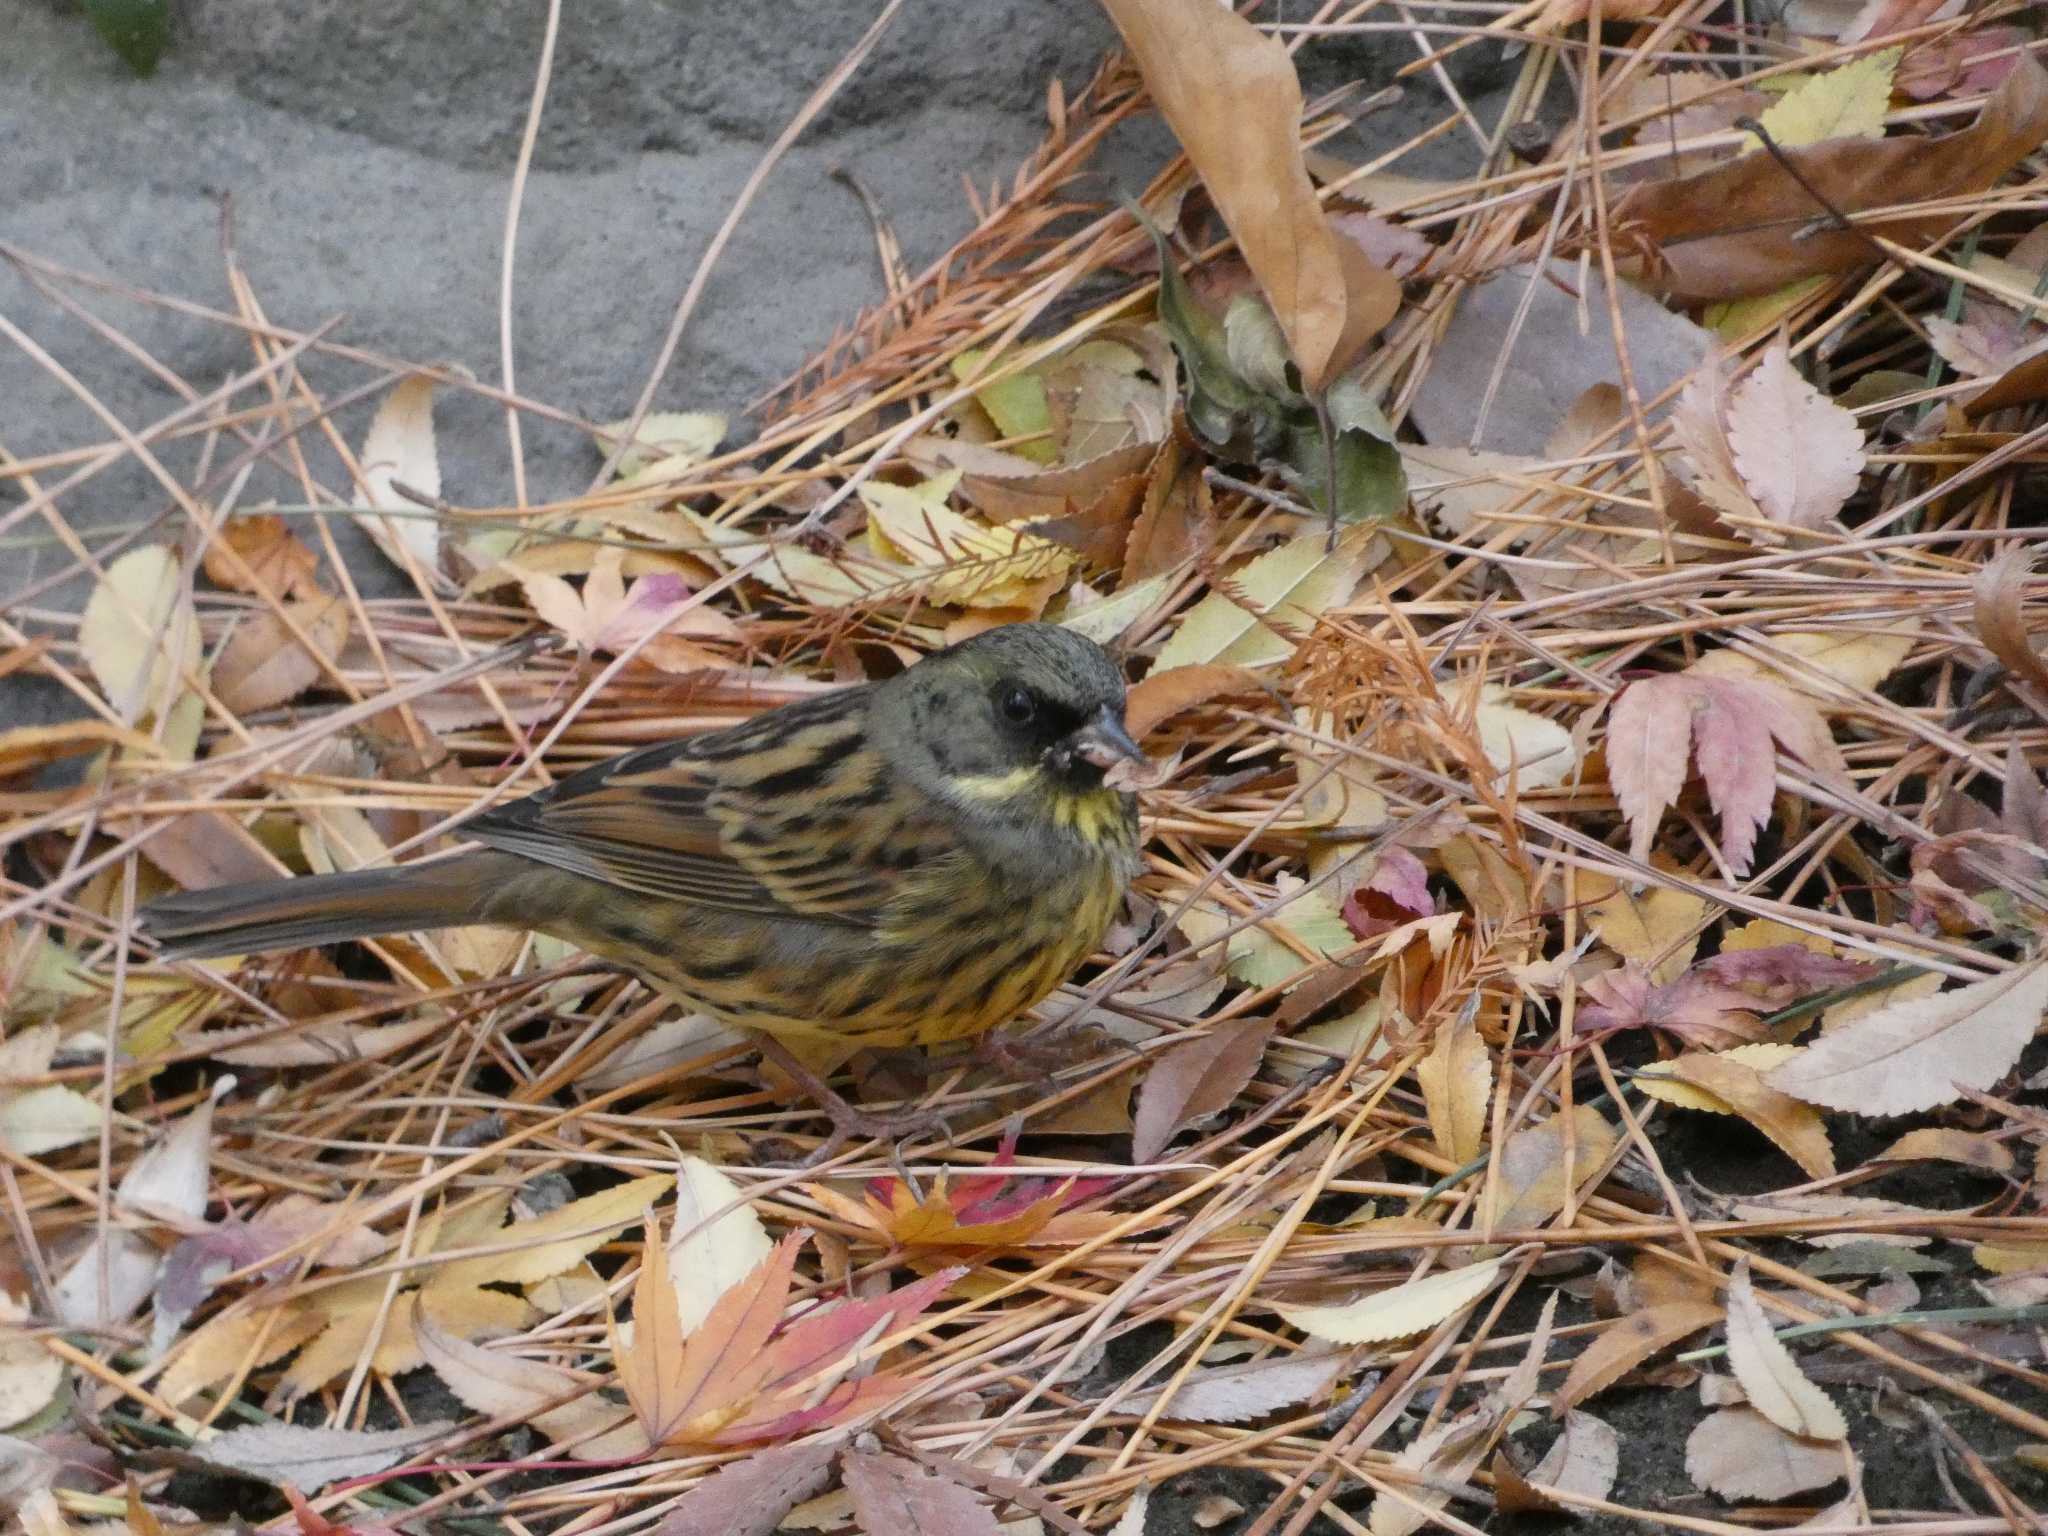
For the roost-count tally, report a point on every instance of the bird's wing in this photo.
(789, 815)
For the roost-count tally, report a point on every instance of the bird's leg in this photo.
(849, 1121)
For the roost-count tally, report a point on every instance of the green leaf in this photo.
(1017, 405)
(135, 29)
(1372, 484)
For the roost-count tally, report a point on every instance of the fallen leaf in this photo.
(1165, 691)
(1456, 1078)
(1799, 454)
(311, 1458)
(1531, 1184)
(1733, 723)
(1746, 227)
(39, 1120)
(1626, 1344)
(1694, 1007)
(29, 1378)
(1844, 103)
(547, 1245)
(750, 1497)
(1940, 1143)
(1193, 1080)
(1998, 591)
(501, 1385)
(168, 1182)
(399, 448)
(1538, 750)
(139, 631)
(963, 562)
(264, 664)
(1265, 607)
(1770, 1377)
(1399, 1311)
(1795, 1128)
(1233, 1394)
(274, 561)
(894, 1493)
(608, 617)
(1658, 927)
(1230, 94)
(709, 1256)
(1923, 1051)
(1585, 1459)
(1739, 1454)
(679, 437)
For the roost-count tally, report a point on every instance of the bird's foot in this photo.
(850, 1122)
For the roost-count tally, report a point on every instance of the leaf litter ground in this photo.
(1572, 1047)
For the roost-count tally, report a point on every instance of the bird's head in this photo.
(1015, 716)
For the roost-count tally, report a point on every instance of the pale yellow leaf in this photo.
(29, 1376)
(1771, 1378)
(1537, 748)
(1758, 1057)
(398, 449)
(549, 1244)
(971, 564)
(1844, 103)
(1658, 928)
(1532, 1184)
(39, 1120)
(708, 1256)
(1396, 1313)
(139, 631)
(1457, 1086)
(1924, 1051)
(681, 437)
(1273, 602)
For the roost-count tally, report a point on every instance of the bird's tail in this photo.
(326, 909)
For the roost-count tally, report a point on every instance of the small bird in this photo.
(899, 863)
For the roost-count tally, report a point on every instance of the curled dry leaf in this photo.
(1747, 227)
(264, 664)
(1736, 1086)
(1941, 1143)
(1770, 1377)
(1396, 1313)
(1923, 1051)
(273, 561)
(1165, 691)
(1739, 1454)
(1230, 94)
(1999, 592)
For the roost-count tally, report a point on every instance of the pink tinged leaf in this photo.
(893, 1493)
(750, 1497)
(1401, 877)
(1740, 771)
(1648, 732)
(1790, 969)
(816, 1340)
(1193, 1080)
(1799, 454)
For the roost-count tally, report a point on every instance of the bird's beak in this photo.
(1104, 742)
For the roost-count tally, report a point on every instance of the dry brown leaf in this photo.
(1531, 1185)
(277, 562)
(1923, 1051)
(264, 664)
(1195, 1079)
(1627, 1344)
(1166, 691)
(1747, 227)
(1739, 1454)
(752, 1496)
(1796, 1128)
(1230, 94)
(1999, 591)
(1457, 1086)
(1948, 1144)
(1770, 1377)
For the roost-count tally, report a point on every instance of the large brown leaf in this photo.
(1747, 227)
(1230, 94)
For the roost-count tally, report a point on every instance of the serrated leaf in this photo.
(563, 1237)
(1193, 1080)
(1457, 1086)
(310, 1458)
(1922, 1051)
(1233, 1394)
(1770, 1377)
(1844, 103)
(1274, 601)
(1798, 453)
(1626, 1344)
(1398, 1312)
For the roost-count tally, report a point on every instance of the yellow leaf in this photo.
(1017, 405)
(1532, 1186)
(677, 438)
(399, 449)
(1759, 1057)
(794, 571)
(218, 1348)
(976, 566)
(1395, 1314)
(1737, 1082)
(1845, 103)
(1768, 933)
(1272, 602)
(1457, 1085)
(1657, 928)
(1538, 749)
(563, 1237)
(1735, 320)
(139, 630)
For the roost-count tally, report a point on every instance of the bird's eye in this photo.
(1018, 706)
